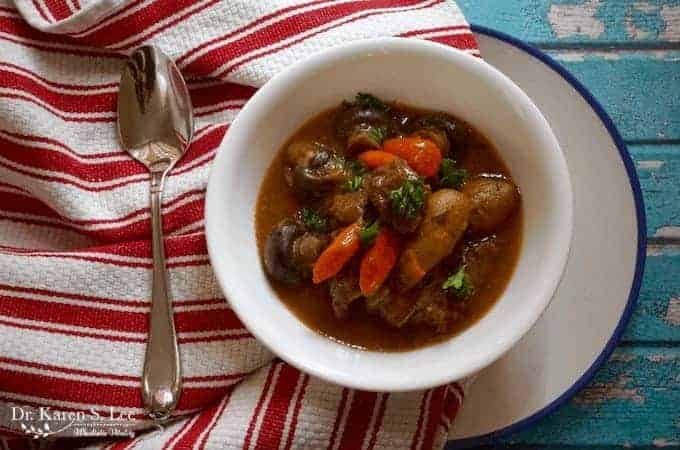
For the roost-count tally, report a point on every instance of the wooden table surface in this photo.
(628, 54)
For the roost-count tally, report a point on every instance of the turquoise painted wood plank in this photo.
(563, 447)
(639, 89)
(657, 316)
(633, 401)
(583, 22)
(658, 168)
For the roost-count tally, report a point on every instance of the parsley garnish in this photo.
(367, 234)
(365, 99)
(407, 201)
(459, 283)
(313, 220)
(355, 175)
(355, 167)
(377, 134)
(353, 183)
(450, 175)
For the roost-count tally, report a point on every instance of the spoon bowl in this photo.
(155, 120)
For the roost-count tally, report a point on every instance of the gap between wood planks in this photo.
(630, 46)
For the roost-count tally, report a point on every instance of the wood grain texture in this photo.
(639, 89)
(581, 23)
(627, 53)
(658, 169)
(657, 317)
(633, 401)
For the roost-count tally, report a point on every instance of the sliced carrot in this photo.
(421, 154)
(378, 261)
(336, 255)
(375, 158)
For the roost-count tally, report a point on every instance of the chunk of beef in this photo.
(346, 207)
(394, 307)
(379, 185)
(479, 259)
(344, 289)
(435, 308)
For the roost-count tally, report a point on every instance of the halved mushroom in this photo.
(278, 250)
(290, 251)
(443, 129)
(363, 126)
(306, 250)
(313, 169)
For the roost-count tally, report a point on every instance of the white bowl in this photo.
(417, 73)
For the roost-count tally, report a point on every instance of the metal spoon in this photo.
(155, 123)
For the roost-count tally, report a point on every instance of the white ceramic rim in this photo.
(263, 330)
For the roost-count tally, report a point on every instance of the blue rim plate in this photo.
(613, 340)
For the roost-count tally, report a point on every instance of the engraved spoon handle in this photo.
(161, 380)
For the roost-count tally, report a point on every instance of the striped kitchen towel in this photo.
(75, 256)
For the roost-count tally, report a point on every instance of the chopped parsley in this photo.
(451, 176)
(355, 175)
(338, 160)
(459, 284)
(354, 166)
(377, 134)
(408, 200)
(369, 100)
(313, 220)
(367, 234)
(353, 183)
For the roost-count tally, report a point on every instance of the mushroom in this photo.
(493, 200)
(278, 250)
(313, 169)
(363, 126)
(290, 251)
(306, 250)
(443, 129)
(446, 218)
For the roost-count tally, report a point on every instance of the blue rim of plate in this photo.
(639, 262)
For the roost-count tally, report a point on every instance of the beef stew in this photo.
(388, 227)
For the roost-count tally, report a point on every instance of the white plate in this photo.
(595, 299)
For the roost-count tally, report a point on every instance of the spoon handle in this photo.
(161, 381)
